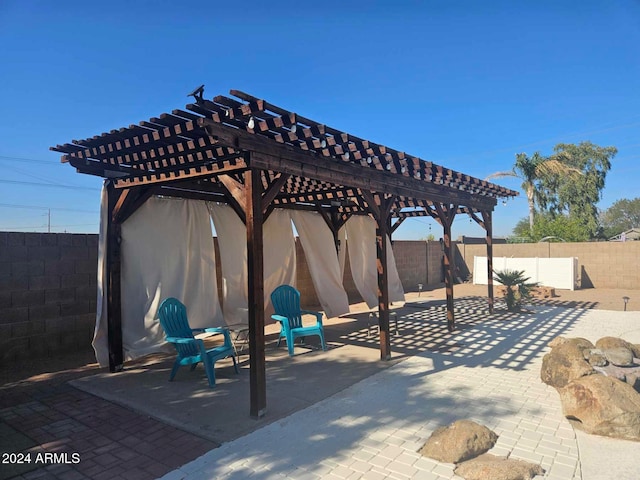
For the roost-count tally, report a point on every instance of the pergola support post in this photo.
(380, 207)
(113, 284)
(254, 221)
(488, 225)
(448, 277)
(383, 290)
(446, 214)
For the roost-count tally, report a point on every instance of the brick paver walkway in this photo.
(113, 442)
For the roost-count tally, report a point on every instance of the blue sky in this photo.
(465, 84)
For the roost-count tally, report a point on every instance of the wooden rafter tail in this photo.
(250, 98)
(203, 112)
(237, 110)
(319, 130)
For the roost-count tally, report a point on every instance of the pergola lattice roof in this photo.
(209, 138)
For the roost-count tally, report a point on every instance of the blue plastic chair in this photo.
(191, 351)
(286, 302)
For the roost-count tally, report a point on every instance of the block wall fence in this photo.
(48, 282)
(600, 264)
(47, 294)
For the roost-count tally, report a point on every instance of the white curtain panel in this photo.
(100, 345)
(322, 259)
(396, 291)
(232, 242)
(279, 255)
(279, 259)
(361, 236)
(167, 251)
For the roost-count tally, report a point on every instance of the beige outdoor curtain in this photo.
(279, 259)
(232, 244)
(322, 259)
(167, 251)
(361, 239)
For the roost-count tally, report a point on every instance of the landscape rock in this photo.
(635, 348)
(566, 362)
(580, 343)
(633, 379)
(620, 356)
(595, 357)
(460, 441)
(613, 372)
(602, 405)
(490, 467)
(606, 343)
(557, 341)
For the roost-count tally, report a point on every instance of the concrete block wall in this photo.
(604, 264)
(411, 261)
(48, 288)
(47, 293)
(600, 264)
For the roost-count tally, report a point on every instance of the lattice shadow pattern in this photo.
(503, 340)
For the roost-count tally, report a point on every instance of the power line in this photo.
(29, 160)
(37, 177)
(36, 207)
(71, 187)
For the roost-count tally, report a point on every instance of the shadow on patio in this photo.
(293, 383)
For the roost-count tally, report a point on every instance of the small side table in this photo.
(239, 337)
(393, 316)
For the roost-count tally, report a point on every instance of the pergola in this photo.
(256, 157)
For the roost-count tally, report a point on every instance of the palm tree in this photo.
(518, 287)
(533, 169)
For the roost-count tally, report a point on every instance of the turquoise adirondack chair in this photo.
(191, 351)
(286, 302)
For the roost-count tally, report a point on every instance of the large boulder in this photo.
(606, 343)
(619, 356)
(566, 362)
(490, 467)
(461, 440)
(556, 341)
(617, 350)
(602, 405)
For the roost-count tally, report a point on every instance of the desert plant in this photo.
(518, 287)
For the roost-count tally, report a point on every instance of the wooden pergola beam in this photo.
(236, 195)
(283, 158)
(395, 226)
(273, 190)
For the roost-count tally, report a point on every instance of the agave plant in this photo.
(518, 287)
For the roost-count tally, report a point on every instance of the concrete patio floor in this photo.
(221, 414)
